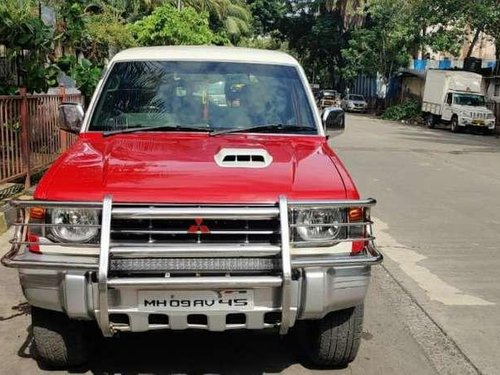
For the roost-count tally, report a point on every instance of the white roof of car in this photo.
(205, 53)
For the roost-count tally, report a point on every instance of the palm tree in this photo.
(234, 15)
(350, 11)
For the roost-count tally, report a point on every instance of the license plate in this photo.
(187, 300)
(477, 122)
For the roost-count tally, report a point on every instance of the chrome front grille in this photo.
(195, 231)
(176, 240)
(479, 115)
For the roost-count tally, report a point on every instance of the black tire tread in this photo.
(336, 337)
(59, 341)
(430, 121)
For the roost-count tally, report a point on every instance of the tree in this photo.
(232, 19)
(169, 26)
(381, 46)
(483, 16)
(29, 42)
(397, 29)
(267, 15)
(317, 32)
(107, 33)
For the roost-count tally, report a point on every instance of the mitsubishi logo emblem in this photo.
(199, 227)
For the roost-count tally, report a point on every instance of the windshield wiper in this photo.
(280, 128)
(159, 127)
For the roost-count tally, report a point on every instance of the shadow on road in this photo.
(192, 352)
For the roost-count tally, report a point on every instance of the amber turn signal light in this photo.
(37, 213)
(355, 214)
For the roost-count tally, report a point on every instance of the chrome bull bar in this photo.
(100, 265)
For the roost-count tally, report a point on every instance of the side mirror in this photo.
(333, 119)
(71, 117)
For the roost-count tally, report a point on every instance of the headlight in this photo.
(491, 116)
(75, 225)
(318, 224)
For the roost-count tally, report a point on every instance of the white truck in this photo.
(456, 98)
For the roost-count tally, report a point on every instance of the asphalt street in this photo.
(438, 222)
(432, 308)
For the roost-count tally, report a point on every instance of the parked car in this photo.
(327, 98)
(354, 103)
(175, 210)
(456, 98)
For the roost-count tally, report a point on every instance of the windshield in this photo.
(356, 97)
(469, 99)
(206, 95)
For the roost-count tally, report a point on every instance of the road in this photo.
(438, 222)
(428, 307)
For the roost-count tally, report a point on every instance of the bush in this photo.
(169, 26)
(404, 111)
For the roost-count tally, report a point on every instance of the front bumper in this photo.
(481, 123)
(307, 287)
(313, 293)
(356, 109)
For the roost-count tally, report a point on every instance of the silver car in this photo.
(354, 103)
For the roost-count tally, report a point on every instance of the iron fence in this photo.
(30, 139)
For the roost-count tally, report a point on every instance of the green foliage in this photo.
(230, 20)
(267, 15)
(483, 15)
(404, 111)
(37, 77)
(71, 23)
(317, 31)
(29, 41)
(382, 45)
(106, 31)
(85, 74)
(20, 28)
(168, 26)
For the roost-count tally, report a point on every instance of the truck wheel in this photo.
(334, 340)
(59, 341)
(430, 122)
(455, 128)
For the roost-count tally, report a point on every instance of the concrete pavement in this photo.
(438, 222)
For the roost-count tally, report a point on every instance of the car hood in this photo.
(181, 168)
(472, 108)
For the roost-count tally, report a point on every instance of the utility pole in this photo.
(179, 5)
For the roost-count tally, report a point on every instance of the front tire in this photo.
(455, 128)
(59, 341)
(334, 340)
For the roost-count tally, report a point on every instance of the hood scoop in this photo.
(243, 158)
